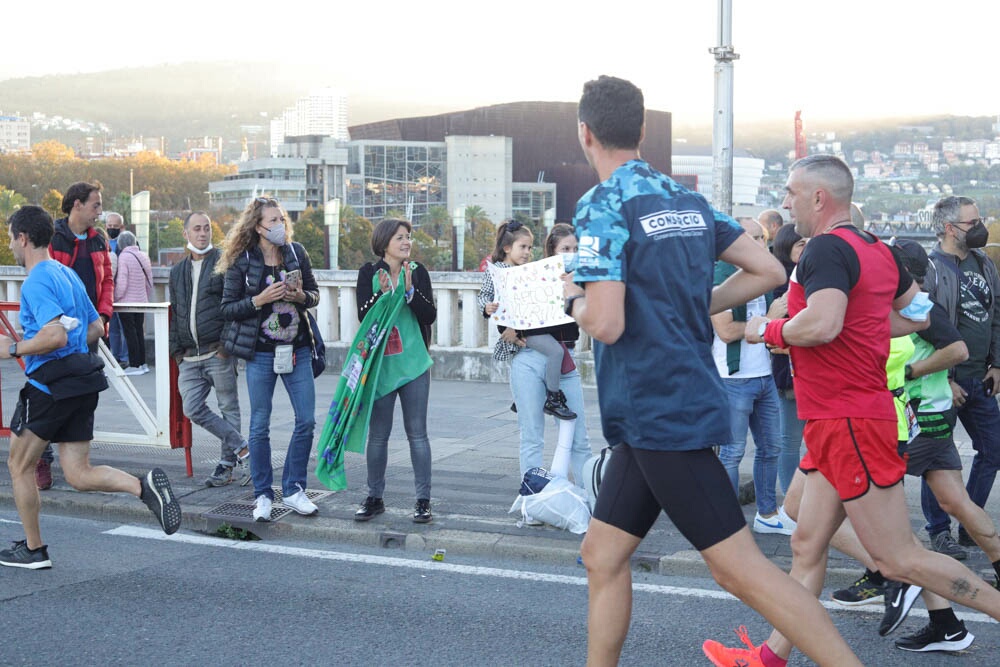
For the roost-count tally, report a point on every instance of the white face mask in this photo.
(199, 252)
(276, 235)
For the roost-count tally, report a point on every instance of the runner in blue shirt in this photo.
(57, 403)
(647, 249)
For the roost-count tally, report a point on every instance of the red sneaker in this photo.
(43, 475)
(723, 656)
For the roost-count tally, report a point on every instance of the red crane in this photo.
(800, 138)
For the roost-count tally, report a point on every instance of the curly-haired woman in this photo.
(268, 286)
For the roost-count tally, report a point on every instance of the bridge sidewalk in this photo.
(474, 443)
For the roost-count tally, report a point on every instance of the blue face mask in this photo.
(918, 308)
(82, 237)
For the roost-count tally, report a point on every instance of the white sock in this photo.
(560, 460)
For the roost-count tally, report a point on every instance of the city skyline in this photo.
(859, 60)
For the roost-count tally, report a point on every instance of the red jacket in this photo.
(64, 247)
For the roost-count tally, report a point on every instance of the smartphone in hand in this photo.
(988, 386)
(293, 279)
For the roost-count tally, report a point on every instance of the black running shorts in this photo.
(692, 487)
(69, 420)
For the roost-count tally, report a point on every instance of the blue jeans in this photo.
(753, 403)
(980, 416)
(117, 339)
(261, 379)
(791, 439)
(195, 379)
(527, 384)
(413, 399)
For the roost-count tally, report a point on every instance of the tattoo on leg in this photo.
(962, 588)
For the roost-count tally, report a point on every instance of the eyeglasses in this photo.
(973, 222)
(265, 201)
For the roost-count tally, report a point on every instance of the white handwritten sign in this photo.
(530, 295)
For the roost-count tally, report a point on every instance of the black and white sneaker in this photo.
(899, 598)
(19, 555)
(935, 638)
(160, 500)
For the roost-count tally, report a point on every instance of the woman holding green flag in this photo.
(398, 292)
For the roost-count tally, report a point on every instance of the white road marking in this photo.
(429, 565)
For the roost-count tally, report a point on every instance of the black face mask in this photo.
(977, 236)
(113, 232)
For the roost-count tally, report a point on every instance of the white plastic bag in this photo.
(559, 503)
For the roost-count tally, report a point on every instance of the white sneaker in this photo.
(135, 370)
(786, 520)
(772, 524)
(262, 509)
(300, 503)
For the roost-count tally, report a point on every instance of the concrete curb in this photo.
(555, 549)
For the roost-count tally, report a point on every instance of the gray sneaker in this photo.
(241, 472)
(944, 543)
(223, 475)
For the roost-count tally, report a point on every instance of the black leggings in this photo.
(135, 338)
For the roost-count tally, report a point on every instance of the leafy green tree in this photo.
(309, 231)
(479, 242)
(426, 251)
(122, 203)
(164, 235)
(355, 239)
(436, 223)
(10, 201)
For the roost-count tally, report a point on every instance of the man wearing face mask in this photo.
(965, 282)
(196, 326)
(114, 225)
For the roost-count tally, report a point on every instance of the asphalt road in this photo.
(126, 595)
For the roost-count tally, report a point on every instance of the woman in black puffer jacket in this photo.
(266, 304)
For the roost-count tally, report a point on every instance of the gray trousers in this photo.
(195, 380)
(553, 352)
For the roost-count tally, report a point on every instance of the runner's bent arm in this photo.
(759, 272)
(602, 313)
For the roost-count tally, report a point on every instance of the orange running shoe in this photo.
(723, 656)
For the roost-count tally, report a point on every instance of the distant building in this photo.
(747, 172)
(15, 134)
(309, 172)
(194, 149)
(323, 112)
(544, 145)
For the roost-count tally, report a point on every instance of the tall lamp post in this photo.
(457, 238)
(331, 216)
(722, 124)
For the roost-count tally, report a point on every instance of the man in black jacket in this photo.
(195, 331)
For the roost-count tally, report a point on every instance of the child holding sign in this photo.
(513, 248)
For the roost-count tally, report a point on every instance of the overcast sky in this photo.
(844, 59)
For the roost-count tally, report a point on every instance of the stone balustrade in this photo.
(461, 345)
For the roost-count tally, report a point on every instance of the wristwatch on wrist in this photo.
(762, 328)
(569, 303)
(12, 350)
(908, 372)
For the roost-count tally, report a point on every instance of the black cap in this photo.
(913, 256)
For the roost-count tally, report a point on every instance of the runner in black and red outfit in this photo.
(844, 301)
